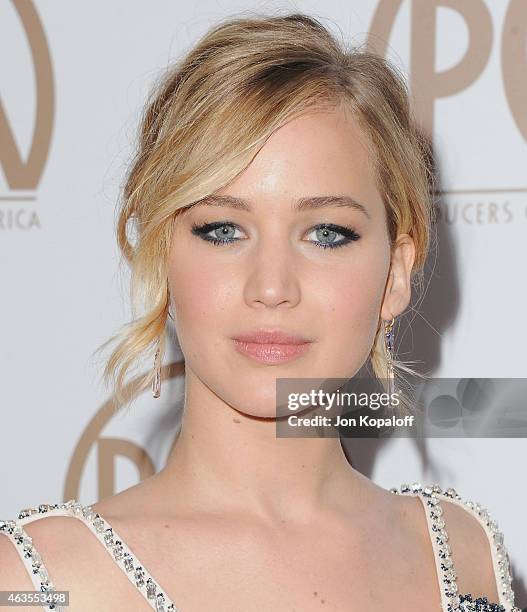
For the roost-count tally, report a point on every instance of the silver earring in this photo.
(388, 346)
(156, 383)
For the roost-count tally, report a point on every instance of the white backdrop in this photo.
(73, 116)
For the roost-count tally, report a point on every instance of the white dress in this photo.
(156, 596)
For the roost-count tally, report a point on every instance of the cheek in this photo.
(353, 299)
(200, 296)
(362, 294)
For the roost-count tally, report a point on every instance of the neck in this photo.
(226, 460)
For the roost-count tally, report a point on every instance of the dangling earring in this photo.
(388, 346)
(156, 383)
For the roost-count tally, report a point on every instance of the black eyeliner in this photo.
(350, 235)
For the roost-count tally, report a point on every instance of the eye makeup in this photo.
(324, 231)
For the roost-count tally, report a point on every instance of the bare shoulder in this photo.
(471, 548)
(478, 549)
(39, 548)
(72, 557)
(13, 575)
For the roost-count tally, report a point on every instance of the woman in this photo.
(281, 207)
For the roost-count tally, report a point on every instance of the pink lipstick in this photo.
(271, 346)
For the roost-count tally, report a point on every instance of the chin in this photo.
(256, 407)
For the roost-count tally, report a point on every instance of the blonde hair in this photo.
(206, 119)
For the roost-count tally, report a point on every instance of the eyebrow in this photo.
(306, 203)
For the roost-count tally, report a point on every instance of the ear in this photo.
(398, 290)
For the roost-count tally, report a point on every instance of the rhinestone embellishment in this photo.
(457, 602)
(160, 602)
(25, 542)
(130, 565)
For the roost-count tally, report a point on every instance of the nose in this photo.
(272, 280)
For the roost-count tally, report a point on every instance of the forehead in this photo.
(316, 154)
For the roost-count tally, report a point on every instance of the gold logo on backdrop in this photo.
(108, 449)
(428, 85)
(23, 172)
(514, 62)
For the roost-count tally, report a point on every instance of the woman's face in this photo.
(269, 269)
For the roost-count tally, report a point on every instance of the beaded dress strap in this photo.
(451, 600)
(499, 554)
(130, 565)
(442, 558)
(23, 543)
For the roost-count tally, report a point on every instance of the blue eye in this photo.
(327, 233)
(222, 232)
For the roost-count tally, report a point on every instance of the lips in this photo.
(271, 346)
(263, 336)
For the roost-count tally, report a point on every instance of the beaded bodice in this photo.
(156, 596)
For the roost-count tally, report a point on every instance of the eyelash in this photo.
(350, 235)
